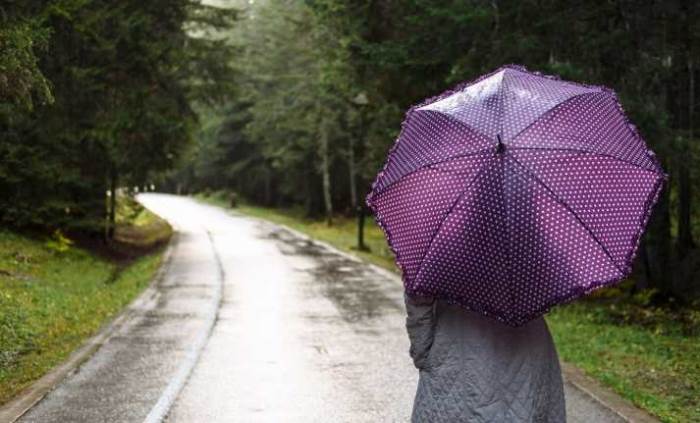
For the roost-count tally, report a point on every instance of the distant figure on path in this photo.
(476, 369)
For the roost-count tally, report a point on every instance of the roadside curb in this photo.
(571, 374)
(29, 397)
(605, 396)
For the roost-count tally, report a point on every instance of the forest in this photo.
(295, 103)
(94, 96)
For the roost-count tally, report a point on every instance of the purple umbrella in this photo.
(515, 192)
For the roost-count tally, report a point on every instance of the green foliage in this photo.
(58, 242)
(124, 77)
(22, 38)
(50, 303)
(137, 228)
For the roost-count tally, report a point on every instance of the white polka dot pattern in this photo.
(515, 192)
(588, 123)
(418, 208)
(444, 138)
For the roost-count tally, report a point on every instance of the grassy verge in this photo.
(53, 296)
(648, 356)
(657, 367)
(138, 229)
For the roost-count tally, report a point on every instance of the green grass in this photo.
(657, 367)
(51, 301)
(652, 361)
(137, 227)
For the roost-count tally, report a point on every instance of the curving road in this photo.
(251, 322)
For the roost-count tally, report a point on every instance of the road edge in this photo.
(168, 396)
(604, 396)
(576, 377)
(11, 411)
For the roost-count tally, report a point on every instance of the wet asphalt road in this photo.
(301, 334)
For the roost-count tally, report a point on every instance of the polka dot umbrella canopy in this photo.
(515, 192)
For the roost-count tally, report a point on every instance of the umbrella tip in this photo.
(500, 148)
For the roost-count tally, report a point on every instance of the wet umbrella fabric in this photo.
(515, 192)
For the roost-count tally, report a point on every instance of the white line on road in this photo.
(167, 398)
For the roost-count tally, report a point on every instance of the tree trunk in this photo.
(268, 187)
(325, 170)
(644, 276)
(657, 247)
(113, 181)
(352, 171)
(685, 235)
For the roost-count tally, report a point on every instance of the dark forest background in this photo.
(296, 103)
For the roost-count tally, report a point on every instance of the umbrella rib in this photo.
(570, 210)
(586, 152)
(428, 165)
(457, 121)
(509, 273)
(551, 110)
(442, 222)
(509, 242)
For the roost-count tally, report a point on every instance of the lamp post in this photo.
(361, 101)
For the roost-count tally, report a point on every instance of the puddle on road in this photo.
(360, 294)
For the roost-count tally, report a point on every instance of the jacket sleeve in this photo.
(420, 325)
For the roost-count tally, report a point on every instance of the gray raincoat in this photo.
(475, 369)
